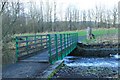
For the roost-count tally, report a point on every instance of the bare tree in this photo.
(75, 18)
(3, 3)
(41, 18)
(108, 18)
(114, 16)
(96, 15)
(33, 15)
(48, 18)
(84, 18)
(12, 17)
(69, 17)
(90, 16)
(55, 18)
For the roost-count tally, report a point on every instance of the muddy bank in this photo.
(86, 72)
(95, 50)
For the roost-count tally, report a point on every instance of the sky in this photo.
(82, 4)
(88, 4)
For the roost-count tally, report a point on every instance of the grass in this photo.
(99, 31)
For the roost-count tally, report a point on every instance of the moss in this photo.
(55, 71)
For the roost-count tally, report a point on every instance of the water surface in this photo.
(96, 62)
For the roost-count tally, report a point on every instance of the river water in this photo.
(89, 67)
(96, 62)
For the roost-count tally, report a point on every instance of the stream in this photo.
(89, 67)
(73, 61)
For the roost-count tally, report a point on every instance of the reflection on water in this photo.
(101, 62)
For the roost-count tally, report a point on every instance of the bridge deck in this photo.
(40, 57)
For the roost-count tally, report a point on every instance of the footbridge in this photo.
(45, 48)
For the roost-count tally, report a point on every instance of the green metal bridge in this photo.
(45, 48)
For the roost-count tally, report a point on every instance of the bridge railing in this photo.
(27, 45)
(60, 45)
(57, 45)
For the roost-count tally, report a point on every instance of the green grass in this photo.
(99, 31)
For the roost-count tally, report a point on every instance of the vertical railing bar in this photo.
(67, 41)
(17, 50)
(49, 49)
(64, 45)
(41, 39)
(56, 45)
(77, 37)
(27, 44)
(35, 42)
(61, 46)
(46, 42)
(72, 41)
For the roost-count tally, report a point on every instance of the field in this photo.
(99, 31)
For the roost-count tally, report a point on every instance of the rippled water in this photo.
(101, 62)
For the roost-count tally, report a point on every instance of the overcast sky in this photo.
(82, 4)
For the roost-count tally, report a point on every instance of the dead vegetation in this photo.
(108, 39)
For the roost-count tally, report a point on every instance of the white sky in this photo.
(82, 4)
